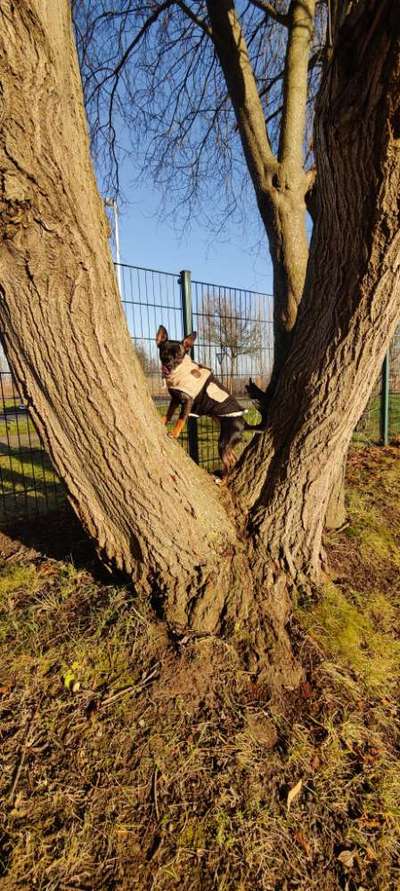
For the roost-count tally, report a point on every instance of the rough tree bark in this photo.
(351, 302)
(153, 513)
(281, 184)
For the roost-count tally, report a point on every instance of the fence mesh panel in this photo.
(28, 484)
(151, 298)
(394, 385)
(369, 426)
(235, 339)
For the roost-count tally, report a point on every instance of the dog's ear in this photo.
(188, 341)
(162, 335)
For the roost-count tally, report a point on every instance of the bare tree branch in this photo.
(125, 56)
(201, 23)
(270, 10)
(301, 29)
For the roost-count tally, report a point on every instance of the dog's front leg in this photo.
(171, 410)
(183, 416)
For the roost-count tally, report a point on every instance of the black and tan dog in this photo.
(197, 391)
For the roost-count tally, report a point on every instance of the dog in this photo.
(199, 393)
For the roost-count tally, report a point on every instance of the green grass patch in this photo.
(14, 426)
(369, 426)
(358, 632)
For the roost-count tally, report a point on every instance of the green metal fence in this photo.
(235, 339)
(380, 423)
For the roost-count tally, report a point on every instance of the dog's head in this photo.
(172, 351)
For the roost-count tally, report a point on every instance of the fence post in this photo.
(385, 396)
(185, 281)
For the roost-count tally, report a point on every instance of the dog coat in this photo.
(210, 397)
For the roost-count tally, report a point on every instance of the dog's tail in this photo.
(258, 398)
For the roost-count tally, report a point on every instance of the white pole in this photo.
(110, 202)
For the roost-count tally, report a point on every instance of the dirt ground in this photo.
(129, 762)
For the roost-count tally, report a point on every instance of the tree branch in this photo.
(270, 11)
(231, 49)
(201, 23)
(301, 29)
(124, 58)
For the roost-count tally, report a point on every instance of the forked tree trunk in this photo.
(152, 512)
(284, 215)
(280, 183)
(352, 298)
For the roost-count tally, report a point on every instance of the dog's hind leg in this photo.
(230, 435)
(224, 456)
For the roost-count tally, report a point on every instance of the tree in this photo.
(222, 327)
(153, 513)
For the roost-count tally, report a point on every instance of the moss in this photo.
(371, 528)
(19, 577)
(193, 835)
(349, 633)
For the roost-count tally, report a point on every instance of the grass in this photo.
(28, 483)
(369, 427)
(13, 427)
(355, 629)
(129, 764)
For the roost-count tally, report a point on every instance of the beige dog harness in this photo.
(209, 397)
(189, 378)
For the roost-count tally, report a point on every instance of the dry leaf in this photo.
(316, 762)
(294, 793)
(303, 842)
(347, 859)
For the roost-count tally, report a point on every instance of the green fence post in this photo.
(385, 396)
(185, 281)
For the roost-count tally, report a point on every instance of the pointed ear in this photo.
(162, 335)
(188, 341)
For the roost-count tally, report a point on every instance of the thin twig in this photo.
(133, 688)
(154, 791)
(22, 757)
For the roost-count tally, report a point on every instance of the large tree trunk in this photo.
(352, 298)
(280, 183)
(154, 514)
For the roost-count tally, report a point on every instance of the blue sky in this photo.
(238, 257)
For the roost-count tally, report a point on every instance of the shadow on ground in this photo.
(60, 536)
